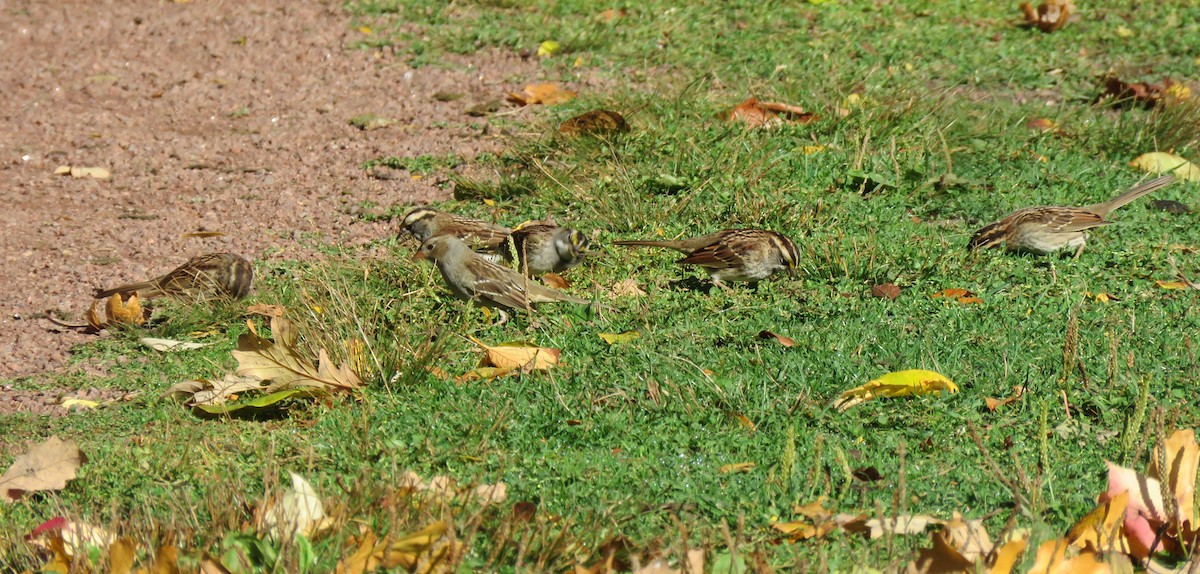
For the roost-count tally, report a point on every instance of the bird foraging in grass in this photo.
(1047, 229)
(203, 276)
(746, 255)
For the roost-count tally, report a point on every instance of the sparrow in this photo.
(545, 247)
(424, 223)
(208, 275)
(472, 277)
(749, 255)
(1047, 229)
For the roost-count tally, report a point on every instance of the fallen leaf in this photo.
(46, 466)
(758, 114)
(619, 338)
(1171, 285)
(250, 408)
(942, 557)
(80, 171)
(201, 234)
(548, 48)
(1100, 529)
(612, 14)
(627, 288)
(266, 310)
(737, 467)
(1178, 473)
(959, 295)
(555, 280)
(595, 122)
(744, 421)
(547, 94)
(517, 356)
(1008, 555)
(72, 537)
(896, 384)
(1161, 162)
(1145, 512)
(1171, 206)
(121, 556)
(1049, 16)
(297, 512)
(166, 560)
(281, 363)
(993, 404)
(491, 493)
(887, 291)
(168, 345)
(1144, 94)
(78, 404)
(785, 341)
(211, 392)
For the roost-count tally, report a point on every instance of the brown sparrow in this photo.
(471, 276)
(1048, 229)
(208, 275)
(424, 223)
(545, 247)
(735, 254)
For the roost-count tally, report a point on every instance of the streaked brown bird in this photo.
(203, 276)
(545, 247)
(749, 255)
(470, 276)
(1047, 229)
(425, 222)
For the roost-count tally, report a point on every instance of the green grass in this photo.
(629, 439)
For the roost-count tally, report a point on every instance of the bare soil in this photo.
(226, 116)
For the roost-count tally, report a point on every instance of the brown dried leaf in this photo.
(887, 291)
(942, 557)
(93, 318)
(555, 280)
(47, 466)
(211, 392)
(1051, 15)
(993, 404)
(281, 363)
(203, 234)
(627, 288)
(266, 310)
(785, 341)
(595, 122)
(546, 94)
(758, 114)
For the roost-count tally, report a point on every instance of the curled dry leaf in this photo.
(785, 341)
(296, 512)
(1051, 15)
(117, 311)
(46, 466)
(595, 122)
(993, 404)
(546, 94)
(210, 392)
(1163, 162)
(627, 288)
(758, 114)
(282, 363)
(429, 551)
(555, 280)
(897, 384)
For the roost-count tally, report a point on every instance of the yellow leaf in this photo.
(897, 384)
(1171, 285)
(366, 30)
(489, 202)
(548, 48)
(1123, 32)
(738, 467)
(619, 338)
(128, 312)
(1159, 162)
(1101, 528)
(81, 403)
(811, 149)
(1007, 556)
(518, 355)
(744, 421)
(120, 556)
(547, 94)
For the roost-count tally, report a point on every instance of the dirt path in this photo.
(218, 116)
